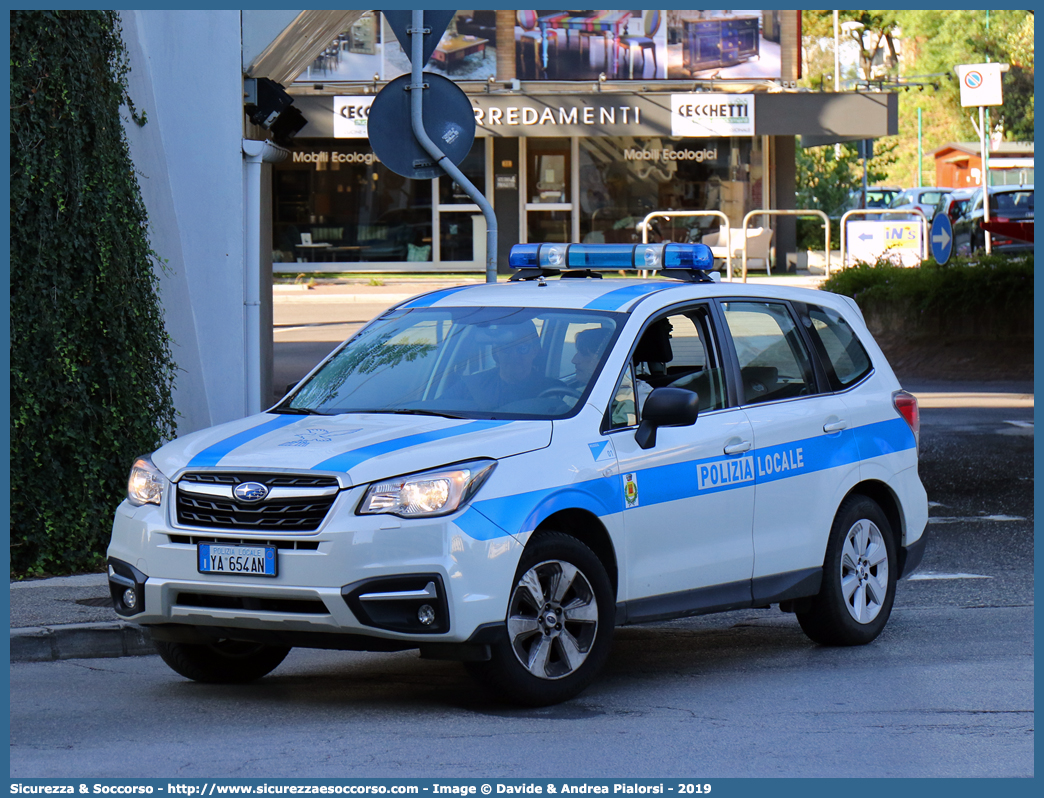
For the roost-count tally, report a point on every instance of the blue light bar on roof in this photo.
(611, 257)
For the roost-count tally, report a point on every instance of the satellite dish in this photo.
(448, 117)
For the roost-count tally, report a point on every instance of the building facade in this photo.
(564, 153)
(959, 164)
(585, 123)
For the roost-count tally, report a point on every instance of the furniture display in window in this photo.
(719, 42)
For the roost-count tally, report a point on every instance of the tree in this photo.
(932, 44)
(91, 368)
(939, 42)
(876, 30)
(825, 178)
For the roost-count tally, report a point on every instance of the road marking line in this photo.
(932, 575)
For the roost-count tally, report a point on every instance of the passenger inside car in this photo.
(589, 346)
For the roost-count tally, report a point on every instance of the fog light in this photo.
(426, 615)
(130, 598)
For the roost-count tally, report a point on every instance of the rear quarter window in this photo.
(843, 356)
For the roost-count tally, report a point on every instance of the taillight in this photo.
(906, 405)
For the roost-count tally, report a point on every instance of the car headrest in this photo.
(655, 345)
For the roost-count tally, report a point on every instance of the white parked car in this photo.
(922, 199)
(501, 474)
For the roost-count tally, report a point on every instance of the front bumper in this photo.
(356, 576)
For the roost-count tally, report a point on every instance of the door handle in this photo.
(835, 426)
(738, 448)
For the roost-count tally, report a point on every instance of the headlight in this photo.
(146, 483)
(427, 494)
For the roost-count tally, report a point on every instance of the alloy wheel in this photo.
(552, 619)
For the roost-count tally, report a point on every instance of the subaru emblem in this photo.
(250, 491)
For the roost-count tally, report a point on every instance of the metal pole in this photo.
(920, 142)
(986, 161)
(450, 168)
(837, 55)
(865, 159)
(985, 185)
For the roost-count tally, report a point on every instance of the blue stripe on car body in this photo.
(522, 512)
(428, 300)
(614, 300)
(346, 461)
(213, 454)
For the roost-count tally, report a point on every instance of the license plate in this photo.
(220, 558)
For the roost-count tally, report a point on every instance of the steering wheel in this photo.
(556, 390)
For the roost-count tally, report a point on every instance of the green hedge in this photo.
(91, 367)
(986, 296)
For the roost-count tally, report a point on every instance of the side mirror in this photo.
(666, 407)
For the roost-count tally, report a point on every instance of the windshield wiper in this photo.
(297, 411)
(412, 411)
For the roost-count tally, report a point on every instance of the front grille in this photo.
(284, 544)
(288, 514)
(271, 480)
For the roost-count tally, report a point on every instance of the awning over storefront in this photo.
(827, 116)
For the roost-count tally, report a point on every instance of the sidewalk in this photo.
(70, 617)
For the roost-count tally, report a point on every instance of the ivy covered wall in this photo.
(91, 366)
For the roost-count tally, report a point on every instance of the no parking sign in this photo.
(980, 84)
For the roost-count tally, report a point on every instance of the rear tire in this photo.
(859, 577)
(559, 627)
(222, 662)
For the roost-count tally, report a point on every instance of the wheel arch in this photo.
(586, 527)
(886, 499)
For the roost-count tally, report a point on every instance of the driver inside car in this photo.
(515, 349)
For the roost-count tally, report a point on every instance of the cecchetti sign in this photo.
(708, 114)
(350, 116)
(695, 114)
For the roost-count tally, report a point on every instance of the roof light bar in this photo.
(611, 257)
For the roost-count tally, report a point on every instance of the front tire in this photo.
(221, 662)
(859, 578)
(559, 627)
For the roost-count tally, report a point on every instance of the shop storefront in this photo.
(586, 122)
(577, 167)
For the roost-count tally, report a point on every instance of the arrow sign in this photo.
(866, 237)
(940, 239)
(436, 21)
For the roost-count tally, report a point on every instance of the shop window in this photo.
(334, 202)
(623, 180)
(474, 168)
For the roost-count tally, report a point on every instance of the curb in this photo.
(79, 641)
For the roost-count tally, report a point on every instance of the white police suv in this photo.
(501, 474)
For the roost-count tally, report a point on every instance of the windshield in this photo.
(879, 198)
(486, 362)
(1013, 203)
(905, 198)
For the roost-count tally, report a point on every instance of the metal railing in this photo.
(787, 212)
(879, 211)
(667, 214)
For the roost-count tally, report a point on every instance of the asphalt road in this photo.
(946, 691)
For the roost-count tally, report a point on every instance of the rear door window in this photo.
(843, 356)
(774, 363)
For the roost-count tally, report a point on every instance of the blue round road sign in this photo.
(940, 238)
(449, 121)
